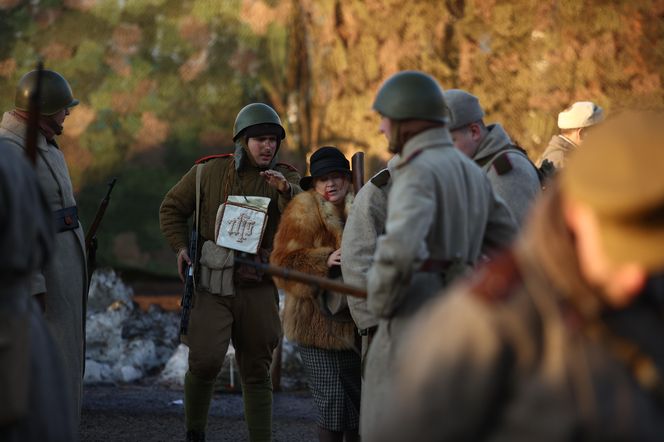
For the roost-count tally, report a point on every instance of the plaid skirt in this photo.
(334, 378)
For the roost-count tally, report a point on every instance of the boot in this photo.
(195, 436)
(258, 410)
(197, 397)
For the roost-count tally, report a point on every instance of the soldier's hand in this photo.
(334, 259)
(183, 257)
(276, 180)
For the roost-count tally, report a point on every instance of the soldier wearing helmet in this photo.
(60, 286)
(247, 312)
(442, 215)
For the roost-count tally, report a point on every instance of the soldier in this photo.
(560, 338)
(364, 225)
(442, 215)
(61, 285)
(573, 123)
(510, 171)
(31, 375)
(250, 316)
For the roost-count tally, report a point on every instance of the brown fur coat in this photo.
(309, 231)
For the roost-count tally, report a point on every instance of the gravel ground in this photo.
(155, 414)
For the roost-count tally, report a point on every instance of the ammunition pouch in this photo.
(66, 219)
(215, 269)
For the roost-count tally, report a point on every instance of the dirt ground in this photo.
(151, 413)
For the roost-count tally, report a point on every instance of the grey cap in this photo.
(464, 107)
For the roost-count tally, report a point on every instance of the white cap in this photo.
(580, 114)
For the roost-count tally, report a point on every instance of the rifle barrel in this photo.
(324, 283)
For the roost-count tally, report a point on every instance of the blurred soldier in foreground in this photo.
(573, 123)
(442, 215)
(364, 225)
(248, 314)
(31, 376)
(61, 285)
(511, 173)
(560, 338)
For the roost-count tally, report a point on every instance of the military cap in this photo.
(55, 92)
(257, 119)
(618, 174)
(464, 107)
(580, 114)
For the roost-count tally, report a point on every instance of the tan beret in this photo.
(580, 114)
(619, 174)
(464, 107)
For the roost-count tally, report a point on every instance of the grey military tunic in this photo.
(511, 174)
(31, 375)
(441, 209)
(64, 278)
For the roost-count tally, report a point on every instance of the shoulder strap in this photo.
(199, 173)
(381, 178)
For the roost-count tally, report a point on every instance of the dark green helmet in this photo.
(411, 95)
(257, 114)
(55, 93)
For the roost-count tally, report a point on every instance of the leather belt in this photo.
(66, 219)
(435, 265)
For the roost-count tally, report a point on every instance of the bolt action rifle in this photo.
(91, 236)
(187, 301)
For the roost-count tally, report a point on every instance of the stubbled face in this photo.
(467, 139)
(60, 116)
(332, 186)
(262, 149)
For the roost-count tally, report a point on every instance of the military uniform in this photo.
(64, 278)
(31, 375)
(364, 225)
(513, 176)
(528, 348)
(442, 215)
(251, 316)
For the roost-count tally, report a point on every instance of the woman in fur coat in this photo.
(309, 240)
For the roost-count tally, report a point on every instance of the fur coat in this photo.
(310, 229)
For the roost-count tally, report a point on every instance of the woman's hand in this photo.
(334, 259)
(276, 180)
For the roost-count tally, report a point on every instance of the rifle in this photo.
(357, 162)
(187, 301)
(34, 110)
(323, 283)
(91, 236)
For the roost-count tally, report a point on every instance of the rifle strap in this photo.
(199, 174)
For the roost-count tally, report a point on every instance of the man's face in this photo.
(60, 116)
(467, 139)
(262, 149)
(385, 127)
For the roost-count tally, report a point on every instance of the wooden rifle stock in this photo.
(323, 283)
(90, 237)
(357, 164)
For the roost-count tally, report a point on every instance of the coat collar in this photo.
(18, 127)
(436, 137)
(495, 140)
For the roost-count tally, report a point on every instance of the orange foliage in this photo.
(56, 51)
(7, 67)
(193, 67)
(126, 38)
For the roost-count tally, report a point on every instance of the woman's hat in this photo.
(325, 160)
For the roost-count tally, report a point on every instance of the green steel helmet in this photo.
(55, 93)
(260, 115)
(411, 95)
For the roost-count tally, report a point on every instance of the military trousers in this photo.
(250, 319)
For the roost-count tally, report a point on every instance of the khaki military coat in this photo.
(310, 230)
(557, 151)
(64, 279)
(441, 207)
(516, 182)
(219, 180)
(525, 350)
(32, 380)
